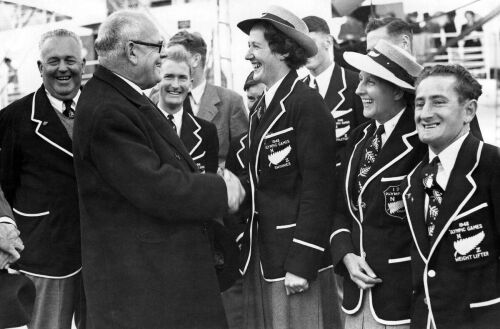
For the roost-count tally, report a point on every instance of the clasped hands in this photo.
(10, 245)
(235, 191)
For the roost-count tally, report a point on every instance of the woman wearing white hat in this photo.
(371, 240)
(291, 177)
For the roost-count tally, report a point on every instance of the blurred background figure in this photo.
(254, 90)
(470, 16)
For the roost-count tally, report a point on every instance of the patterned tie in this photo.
(261, 108)
(170, 118)
(370, 155)
(68, 110)
(435, 193)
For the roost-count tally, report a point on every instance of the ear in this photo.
(470, 108)
(398, 93)
(328, 41)
(282, 57)
(196, 60)
(40, 66)
(130, 52)
(405, 43)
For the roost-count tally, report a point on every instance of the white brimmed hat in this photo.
(285, 21)
(388, 62)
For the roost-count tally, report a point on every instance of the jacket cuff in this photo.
(304, 259)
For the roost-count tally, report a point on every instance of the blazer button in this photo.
(177, 156)
(431, 273)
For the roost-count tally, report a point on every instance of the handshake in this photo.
(235, 191)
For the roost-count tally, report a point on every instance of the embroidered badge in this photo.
(277, 157)
(468, 239)
(279, 150)
(394, 205)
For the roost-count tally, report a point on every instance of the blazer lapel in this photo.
(414, 200)
(334, 97)
(190, 133)
(208, 102)
(48, 125)
(460, 187)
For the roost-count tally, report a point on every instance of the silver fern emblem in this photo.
(428, 180)
(438, 196)
(279, 156)
(433, 212)
(395, 206)
(430, 229)
(364, 171)
(370, 157)
(464, 246)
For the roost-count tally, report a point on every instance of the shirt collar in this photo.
(323, 79)
(177, 117)
(197, 92)
(269, 95)
(130, 83)
(59, 104)
(448, 156)
(391, 124)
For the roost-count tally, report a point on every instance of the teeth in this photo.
(367, 101)
(429, 126)
(63, 78)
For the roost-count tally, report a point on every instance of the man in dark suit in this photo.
(38, 179)
(335, 84)
(221, 106)
(147, 260)
(451, 200)
(370, 241)
(10, 243)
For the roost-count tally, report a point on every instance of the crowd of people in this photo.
(342, 200)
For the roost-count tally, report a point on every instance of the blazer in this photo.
(291, 174)
(38, 179)
(146, 255)
(456, 281)
(200, 139)
(225, 109)
(374, 226)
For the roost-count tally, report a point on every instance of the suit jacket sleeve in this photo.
(239, 118)
(212, 149)
(5, 208)
(119, 148)
(316, 162)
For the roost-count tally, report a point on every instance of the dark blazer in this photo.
(146, 256)
(224, 108)
(344, 105)
(291, 176)
(38, 179)
(457, 276)
(5, 207)
(379, 232)
(200, 139)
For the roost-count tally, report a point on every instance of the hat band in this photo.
(277, 19)
(392, 66)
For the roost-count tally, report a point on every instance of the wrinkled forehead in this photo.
(60, 46)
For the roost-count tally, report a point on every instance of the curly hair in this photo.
(466, 85)
(279, 43)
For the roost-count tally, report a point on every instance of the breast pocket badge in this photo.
(278, 148)
(394, 205)
(468, 238)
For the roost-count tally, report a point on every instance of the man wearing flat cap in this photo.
(291, 151)
(371, 241)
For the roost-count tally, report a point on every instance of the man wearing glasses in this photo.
(38, 178)
(144, 204)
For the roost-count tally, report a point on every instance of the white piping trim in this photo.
(38, 127)
(399, 260)
(325, 268)
(196, 134)
(358, 306)
(200, 156)
(252, 188)
(279, 132)
(52, 277)
(384, 322)
(485, 303)
(470, 211)
(280, 227)
(392, 179)
(339, 231)
(269, 280)
(341, 91)
(239, 237)
(338, 164)
(307, 244)
(30, 215)
(239, 151)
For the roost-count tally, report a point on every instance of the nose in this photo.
(426, 111)
(249, 55)
(360, 90)
(62, 66)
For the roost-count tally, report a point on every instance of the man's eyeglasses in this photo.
(148, 44)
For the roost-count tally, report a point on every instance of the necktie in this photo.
(170, 118)
(435, 193)
(316, 85)
(68, 110)
(369, 157)
(261, 109)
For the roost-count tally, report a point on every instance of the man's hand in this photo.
(295, 284)
(360, 272)
(235, 191)
(10, 243)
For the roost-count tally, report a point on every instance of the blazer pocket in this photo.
(278, 151)
(393, 196)
(28, 222)
(485, 303)
(282, 227)
(399, 260)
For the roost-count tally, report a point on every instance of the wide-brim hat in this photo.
(388, 62)
(286, 22)
(17, 297)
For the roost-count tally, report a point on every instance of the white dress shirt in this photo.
(195, 97)
(323, 80)
(59, 104)
(177, 118)
(389, 126)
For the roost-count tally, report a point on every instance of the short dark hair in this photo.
(281, 44)
(395, 26)
(466, 85)
(249, 82)
(193, 42)
(316, 24)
